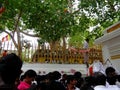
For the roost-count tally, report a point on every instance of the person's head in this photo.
(71, 79)
(56, 75)
(100, 78)
(110, 71)
(10, 68)
(5, 51)
(30, 75)
(78, 74)
(64, 76)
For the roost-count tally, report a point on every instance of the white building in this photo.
(110, 42)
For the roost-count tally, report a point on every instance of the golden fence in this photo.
(66, 56)
(70, 56)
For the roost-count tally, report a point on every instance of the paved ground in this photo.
(63, 68)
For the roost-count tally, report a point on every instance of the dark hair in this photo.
(89, 83)
(112, 80)
(30, 73)
(10, 68)
(100, 79)
(90, 80)
(118, 78)
(109, 70)
(78, 74)
(56, 75)
(70, 78)
(5, 50)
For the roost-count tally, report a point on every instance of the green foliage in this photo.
(97, 12)
(53, 19)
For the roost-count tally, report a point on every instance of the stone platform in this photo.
(62, 68)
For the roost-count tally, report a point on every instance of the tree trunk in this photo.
(19, 44)
(64, 43)
(19, 48)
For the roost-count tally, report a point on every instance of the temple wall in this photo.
(110, 42)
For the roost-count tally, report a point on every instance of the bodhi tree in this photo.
(98, 14)
(55, 19)
(52, 20)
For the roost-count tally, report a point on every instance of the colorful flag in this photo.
(6, 38)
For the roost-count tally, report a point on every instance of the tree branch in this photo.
(32, 35)
(12, 37)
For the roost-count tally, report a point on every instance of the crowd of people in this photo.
(13, 78)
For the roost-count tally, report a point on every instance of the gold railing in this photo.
(70, 56)
(66, 56)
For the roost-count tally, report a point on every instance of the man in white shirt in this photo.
(85, 54)
(112, 83)
(100, 81)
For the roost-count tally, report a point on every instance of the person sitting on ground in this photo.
(10, 70)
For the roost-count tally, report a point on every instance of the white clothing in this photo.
(77, 88)
(98, 67)
(100, 87)
(113, 87)
(86, 45)
(107, 84)
(86, 55)
(118, 84)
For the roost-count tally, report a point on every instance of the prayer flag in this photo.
(6, 38)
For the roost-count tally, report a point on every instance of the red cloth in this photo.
(90, 71)
(23, 86)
